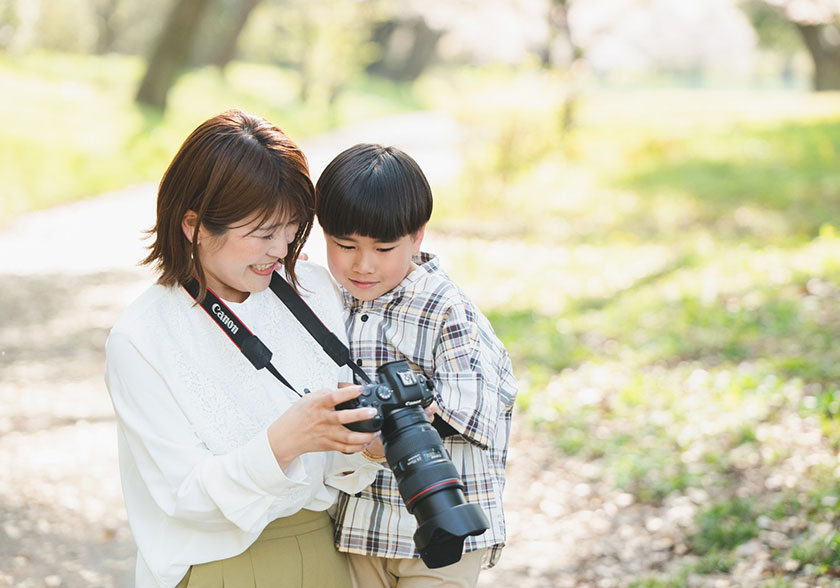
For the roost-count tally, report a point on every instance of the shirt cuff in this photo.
(265, 470)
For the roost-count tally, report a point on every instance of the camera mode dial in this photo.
(383, 392)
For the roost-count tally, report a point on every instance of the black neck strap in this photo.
(255, 350)
(331, 344)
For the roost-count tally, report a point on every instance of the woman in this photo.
(227, 473)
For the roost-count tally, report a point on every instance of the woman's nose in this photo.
(280, 244)
(279, 247)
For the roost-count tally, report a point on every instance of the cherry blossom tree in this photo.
(818, 22)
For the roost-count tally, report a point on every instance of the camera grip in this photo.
(371, 397)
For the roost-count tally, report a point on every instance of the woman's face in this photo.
(242, 259)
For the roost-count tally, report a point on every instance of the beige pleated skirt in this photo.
(292, 552)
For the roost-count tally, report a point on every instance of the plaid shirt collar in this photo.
(428, 264)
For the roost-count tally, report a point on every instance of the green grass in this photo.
(724, 526)
(69, 127)
(666, 276)
(821, 551)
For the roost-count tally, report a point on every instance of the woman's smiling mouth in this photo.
(263, 269)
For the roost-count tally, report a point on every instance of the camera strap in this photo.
(260, 356)
(249, 344)
(255, 350)
(331, 344)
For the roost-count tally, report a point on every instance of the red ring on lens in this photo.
(448, 482)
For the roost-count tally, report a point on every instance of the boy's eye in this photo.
(345, 247)
(385, 249)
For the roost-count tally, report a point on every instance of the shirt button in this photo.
(359, 362)
(364, 318)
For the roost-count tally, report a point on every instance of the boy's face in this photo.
(368, 268)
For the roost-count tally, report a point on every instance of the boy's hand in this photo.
(431, 410)
(375, 450)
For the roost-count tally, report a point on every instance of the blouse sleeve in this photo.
(350, 473)
(464, 398)
(245, 487)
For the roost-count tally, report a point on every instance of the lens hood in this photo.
(440, 539)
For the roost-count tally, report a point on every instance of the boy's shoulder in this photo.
(430, 279)
(435, 287)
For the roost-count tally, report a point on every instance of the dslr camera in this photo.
(428, 482)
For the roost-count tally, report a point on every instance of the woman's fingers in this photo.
(352, 415)
(321, 426)
(333, 398)
(343, 394)
(348, 441)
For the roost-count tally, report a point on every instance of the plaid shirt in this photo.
(428, 321)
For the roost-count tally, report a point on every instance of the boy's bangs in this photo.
(379, 213)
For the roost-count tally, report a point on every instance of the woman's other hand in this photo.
(313, 424)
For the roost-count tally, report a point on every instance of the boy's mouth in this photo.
(363, 285)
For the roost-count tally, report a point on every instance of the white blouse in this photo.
(199, 478)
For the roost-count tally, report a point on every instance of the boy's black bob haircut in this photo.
(373, 191)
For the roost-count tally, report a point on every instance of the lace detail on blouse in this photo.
(225, 398)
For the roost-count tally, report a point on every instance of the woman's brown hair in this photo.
(232, 167)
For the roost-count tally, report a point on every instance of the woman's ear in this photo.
(188, 224)
(418, 239)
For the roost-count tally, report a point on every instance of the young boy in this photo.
(373, 203)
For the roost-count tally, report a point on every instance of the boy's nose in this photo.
(362, 264)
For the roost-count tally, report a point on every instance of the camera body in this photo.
(428, 481)
(397, 386)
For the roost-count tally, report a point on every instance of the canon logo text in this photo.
(225, 319)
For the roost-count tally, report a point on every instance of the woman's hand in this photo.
(313, 424)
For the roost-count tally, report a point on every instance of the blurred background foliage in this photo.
(647, 209)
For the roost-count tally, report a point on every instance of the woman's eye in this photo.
(267, 237)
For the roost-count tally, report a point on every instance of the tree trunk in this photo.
(381, 37)
(824, 54)
(106, 25)
(404, 64)
(227, 46)
(170, 52)
(423, 51)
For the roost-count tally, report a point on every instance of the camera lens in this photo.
(430, 487)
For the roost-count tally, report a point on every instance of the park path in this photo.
(66, 274)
